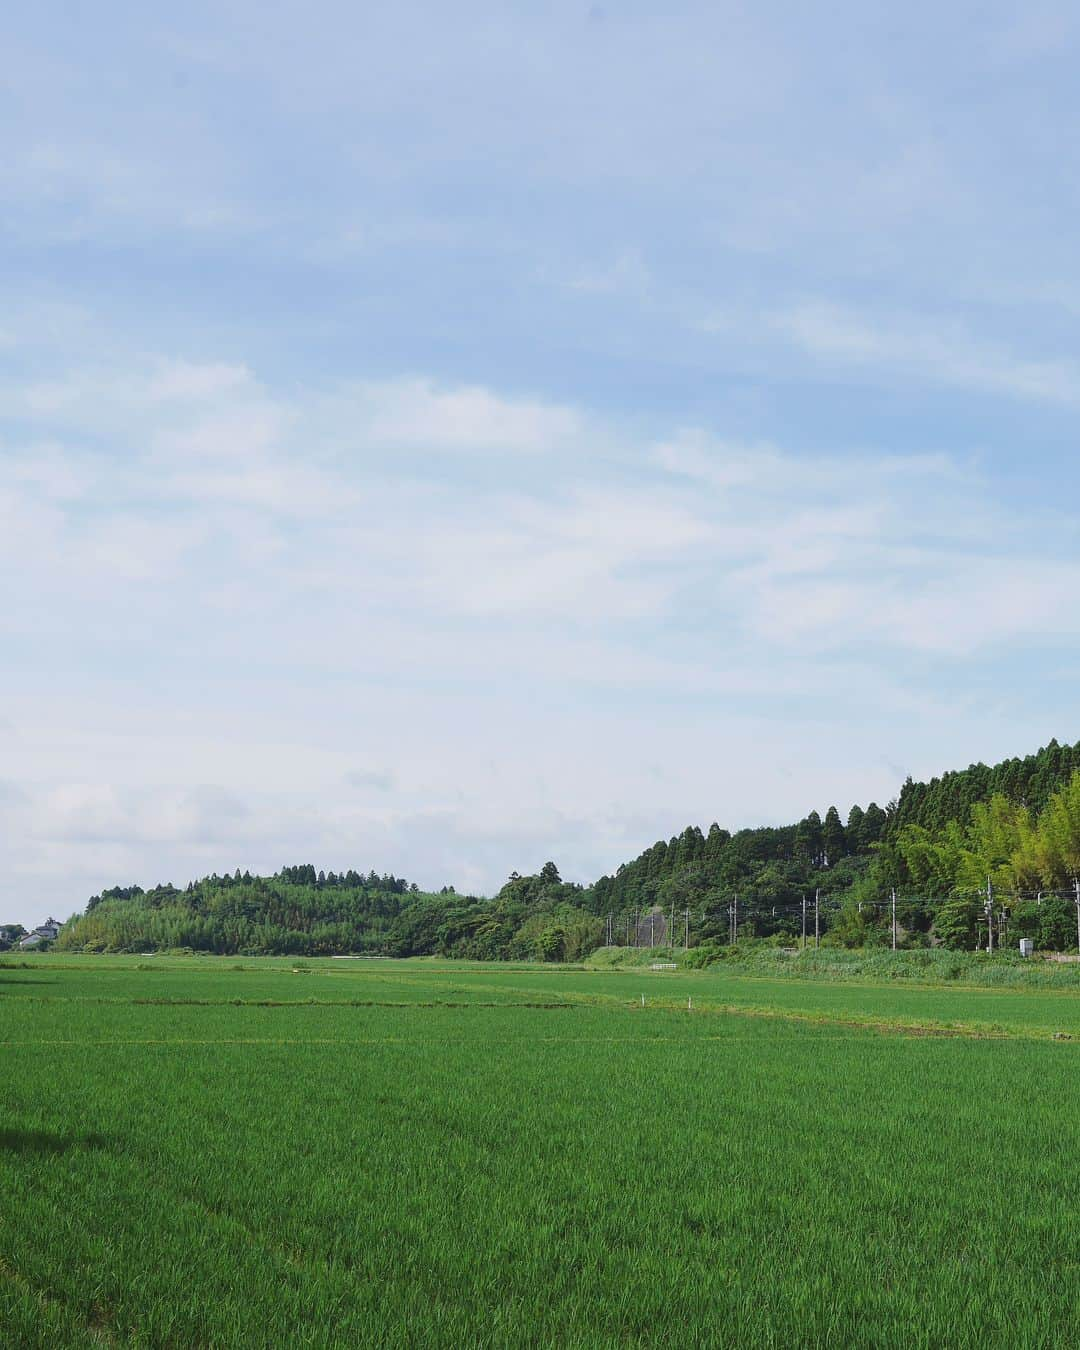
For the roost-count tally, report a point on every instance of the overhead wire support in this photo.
(1076, 889)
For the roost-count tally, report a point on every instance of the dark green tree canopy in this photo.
(1014, 820)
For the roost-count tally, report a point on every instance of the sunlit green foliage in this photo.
(1001, 842)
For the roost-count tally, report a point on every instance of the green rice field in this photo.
(229, 1152)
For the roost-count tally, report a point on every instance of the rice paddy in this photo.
(218, 1152)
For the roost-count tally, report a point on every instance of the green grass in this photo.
(924, 965)
(228, 1153)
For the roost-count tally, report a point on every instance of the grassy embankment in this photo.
(927, 965)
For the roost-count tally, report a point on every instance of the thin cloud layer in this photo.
(213, 481)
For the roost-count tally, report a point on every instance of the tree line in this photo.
(936, 846)
(301, 912)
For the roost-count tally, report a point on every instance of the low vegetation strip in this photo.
(932, 966)
(341, 1003)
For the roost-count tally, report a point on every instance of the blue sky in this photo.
(441, 438)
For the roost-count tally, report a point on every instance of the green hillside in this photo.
(1014, 826)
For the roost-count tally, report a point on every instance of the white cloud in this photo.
(214, 481)
(419, 414)
(239, 495)
(49, 472)
(944, 352)
(576, 553)
(923, 350)
(186, 380)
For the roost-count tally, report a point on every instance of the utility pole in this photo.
(628, 928)
(817, 926)
(736, 918)
(894, 919)
(990, 915)
(1076, 888)
(804, 922)
(609, 930)
(686, 935)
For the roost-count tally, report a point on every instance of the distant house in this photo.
(46, 932)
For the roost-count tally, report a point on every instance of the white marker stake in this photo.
(643, 1000)
(689, 1005)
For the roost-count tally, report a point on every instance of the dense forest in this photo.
(301, 912)
(985, 850)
